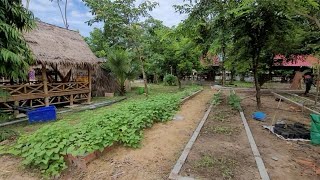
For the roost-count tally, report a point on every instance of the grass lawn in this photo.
(240, 84)
(76, 117)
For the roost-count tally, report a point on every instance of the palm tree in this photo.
(122, 66)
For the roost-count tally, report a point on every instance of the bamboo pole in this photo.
(16, 112)
(45, 85)
(317, 80)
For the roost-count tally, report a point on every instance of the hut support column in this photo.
(45, 85)
(16, 112)
(71, 100)
(90, 84)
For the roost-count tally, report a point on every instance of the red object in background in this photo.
(297, 61)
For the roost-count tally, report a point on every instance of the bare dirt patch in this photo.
(222, 150)
(294, 160)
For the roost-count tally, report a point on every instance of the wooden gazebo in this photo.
(63, 67)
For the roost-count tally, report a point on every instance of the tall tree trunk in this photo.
(155, 78)
(145, 81)
(242, 77)
(179, 83)
(65, 14)
(27, 4)
(232, 76)
(122, 90)
(223, 69)
(63, 19)
(256, 82)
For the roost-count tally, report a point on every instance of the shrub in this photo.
(170, 80)
(234, 101)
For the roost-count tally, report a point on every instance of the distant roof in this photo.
(210, 60)
(297, 61)
(51, 44)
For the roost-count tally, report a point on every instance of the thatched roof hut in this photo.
(53, 45)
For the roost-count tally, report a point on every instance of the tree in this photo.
(309, 9)
(255, 24)
(181, 53)
(97, 43)
(121, 19)
(63, 14)
(214, 25)
(121, 65)
(247, 33)
(15, 56)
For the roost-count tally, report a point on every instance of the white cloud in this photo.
(78, 14)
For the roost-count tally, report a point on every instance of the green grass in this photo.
(222, 117)
(76, 117)
(239, 84)
(224, 165)
(226, 130)
(205, 161)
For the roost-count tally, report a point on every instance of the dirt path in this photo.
(294, 160)
(160, 148)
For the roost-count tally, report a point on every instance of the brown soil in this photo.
(296, 160)
(222, 150)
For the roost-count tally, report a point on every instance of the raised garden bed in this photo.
(52, 144)
(222, 150)
(283, 159)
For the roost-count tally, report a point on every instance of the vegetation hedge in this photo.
(170, 80)
(45, 148)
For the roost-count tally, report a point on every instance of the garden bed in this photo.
(222, 150)
(283, 159)
(123, 125)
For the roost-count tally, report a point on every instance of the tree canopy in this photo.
(15, 55)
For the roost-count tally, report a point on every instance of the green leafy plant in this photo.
(217, 99)
(234, 101)
(7, 134)
(223, 130)
(224, 165)
(45, 149)
(170, 80)
(205, 161)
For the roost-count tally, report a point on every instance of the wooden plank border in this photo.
(262, 169)
(176, 169)
(295, 103)
(191, 96)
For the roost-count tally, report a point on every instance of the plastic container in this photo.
(259, 116)
(315, 129)
(43, 114)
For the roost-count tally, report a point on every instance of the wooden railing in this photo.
(23, 89)
(61, 87)
(33, 91)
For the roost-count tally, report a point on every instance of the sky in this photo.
(78, 14)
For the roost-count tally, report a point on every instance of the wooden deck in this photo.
(34, 95)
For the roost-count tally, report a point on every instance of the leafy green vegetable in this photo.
(234, 101)
(217, 99)
(45, 148)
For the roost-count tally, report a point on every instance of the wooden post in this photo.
(90, 84)
(16, 112)
(71, 100)
(45, 84)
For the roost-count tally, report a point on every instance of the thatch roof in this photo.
(54, 45)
